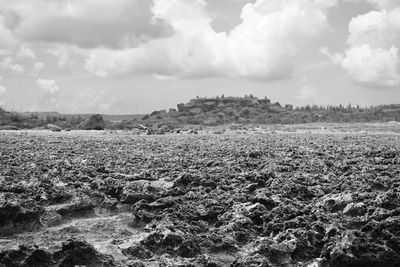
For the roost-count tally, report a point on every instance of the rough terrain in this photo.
(271, 199)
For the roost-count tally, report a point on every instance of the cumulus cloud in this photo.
(85, 23)
(86, 100)
(23, 62)
(62, 55)
(7, 38)
(26, 52)
(372, 67)
(8, 63)
(372, 58)
(264, 45)
(49, 86)
(37, 68)
(307, 91)
(381, 4)
(2, 89)
(374, 28)
(91, 100)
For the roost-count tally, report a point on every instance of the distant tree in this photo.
(34, 116)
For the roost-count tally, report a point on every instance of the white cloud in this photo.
(85, 23)
(25, 52)
(49, 86)
(90, 100)
(62, 55)
(2, 89)
(373, 28)
(381, 4)
(9, 63)
(394, 17)
(372, 67)
(372, 58)
(86, 100)
(264, 45)
(306, 92)
(7, 38)
(37, 68)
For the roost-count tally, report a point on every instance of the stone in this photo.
(138, 251)
(72, 253)
(138, 190)
(50, 219)
(336, 202)
(94, 122)
(355, 209)
(81, 253)
(17, 215)
(174, 243)
(54, 128)
(195, 111)
(78, 206)
(24, 256)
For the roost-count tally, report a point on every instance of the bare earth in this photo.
(305, 195)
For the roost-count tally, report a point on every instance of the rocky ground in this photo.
(272, 199)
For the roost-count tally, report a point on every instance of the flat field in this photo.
(261, 199)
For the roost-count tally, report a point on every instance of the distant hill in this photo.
(251, 110)
(14, 120)
(110, 118)
(211, 112)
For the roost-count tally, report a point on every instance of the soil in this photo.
(271, 199)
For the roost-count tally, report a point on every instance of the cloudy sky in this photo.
(136, 56)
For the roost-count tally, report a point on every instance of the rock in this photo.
(254, 154)
(9, 127)
(24, 256)
(355, 249)
(355, 209)
(210, 211)
(138, 190)
(195, 111)
(212, 121)
(94, 122)
(74, 252)
(263, 198)
(78, 206)
(50, 219)
(174, 243)
(389, 200)
(224, 245)
(253, 260)
(109, 203)
(138, 252)
(54, 128)
(336, 202)
(189, 105)
(209, 105)
(279, 254)
(17, 215)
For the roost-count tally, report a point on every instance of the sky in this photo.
(137, 56)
